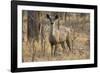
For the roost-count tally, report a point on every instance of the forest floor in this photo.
(81, 50)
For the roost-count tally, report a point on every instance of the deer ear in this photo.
(47, 16)
(56, 17)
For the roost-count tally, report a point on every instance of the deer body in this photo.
(59, 35)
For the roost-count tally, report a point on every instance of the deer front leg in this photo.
(55, 49)
(52, 50)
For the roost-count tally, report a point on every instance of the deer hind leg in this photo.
(68, 44)
(63, 44)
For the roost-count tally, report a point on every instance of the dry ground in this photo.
(81, 50)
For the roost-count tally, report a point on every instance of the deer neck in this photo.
(52, 30)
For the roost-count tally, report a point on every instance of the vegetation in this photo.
(36, 33)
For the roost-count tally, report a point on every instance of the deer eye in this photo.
(48, 16)
(56, 17)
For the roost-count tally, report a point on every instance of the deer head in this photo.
(52, 19)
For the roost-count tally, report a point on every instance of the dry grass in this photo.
(41, 51)
(80, 51)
